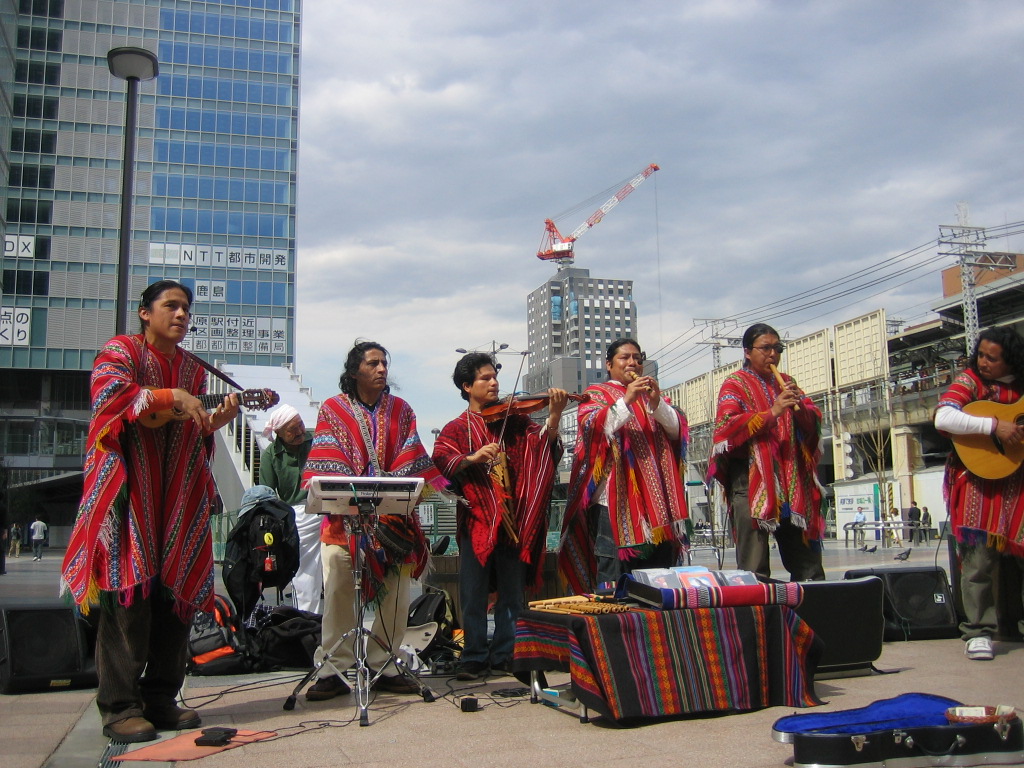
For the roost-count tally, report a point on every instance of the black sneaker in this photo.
(472, 670)
(501, 668)
(327, 688)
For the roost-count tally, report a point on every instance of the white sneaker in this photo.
(979, 648)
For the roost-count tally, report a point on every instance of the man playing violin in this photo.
(626, 507)
(504, 470)
(765, 455)
(141, 547)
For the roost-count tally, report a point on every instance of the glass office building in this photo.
(214, 202)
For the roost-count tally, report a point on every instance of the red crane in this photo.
(554, 246)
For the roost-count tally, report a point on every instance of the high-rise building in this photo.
(571, 321)
(214, 202)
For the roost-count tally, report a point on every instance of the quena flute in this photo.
(782, 382)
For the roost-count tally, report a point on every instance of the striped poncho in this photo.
(144, 518)
(339, 449)
(985, 512)
(531, 462)
(643, 467)
(781, 454)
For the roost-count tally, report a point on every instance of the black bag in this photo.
(261, 551)
(435, 605)
(289, 637)
(217, 643)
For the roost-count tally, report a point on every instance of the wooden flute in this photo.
(782, 381)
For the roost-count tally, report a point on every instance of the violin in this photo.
(522, 405)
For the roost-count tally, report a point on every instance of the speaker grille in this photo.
(43, 642)
(922, 598)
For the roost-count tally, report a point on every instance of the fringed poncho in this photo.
(531, 460)
(339, 449)
(644, 470)
(986, 512)
(143, 521)
(781, 454)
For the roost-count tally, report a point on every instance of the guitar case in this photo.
(909, 731)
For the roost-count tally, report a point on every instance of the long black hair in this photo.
(356, 355)
(154, 291)
(1011, 344)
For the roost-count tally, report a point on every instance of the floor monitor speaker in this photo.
(847, 616)
(43, 647)
(918, 602)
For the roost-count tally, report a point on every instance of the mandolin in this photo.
(253, 399)
(984, 455)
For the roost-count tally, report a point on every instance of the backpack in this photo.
(217, 643)
(435, 606)
(261, 551)
(288, 637)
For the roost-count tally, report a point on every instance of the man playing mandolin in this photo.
(504, 470)
(141, 547)
(987, 514)
(626, 507)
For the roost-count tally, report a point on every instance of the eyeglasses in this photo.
(766, 348)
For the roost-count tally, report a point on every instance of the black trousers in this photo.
(141, 651)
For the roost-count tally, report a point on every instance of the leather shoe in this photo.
(130, 730)
(396, 684)
(327, 688)
(173, 718)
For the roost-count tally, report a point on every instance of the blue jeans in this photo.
(474, 587)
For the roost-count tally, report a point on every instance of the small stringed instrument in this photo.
(253, 399)
(984, 455)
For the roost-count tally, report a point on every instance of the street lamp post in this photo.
(132, 65)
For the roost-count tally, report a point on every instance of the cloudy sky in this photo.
(806, 149)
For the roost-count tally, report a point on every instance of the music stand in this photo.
(361, 500)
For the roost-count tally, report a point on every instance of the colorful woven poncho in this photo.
(644, 470)
(782, 454)
(145, 509)
(531, 460)
(339, 449)
(988, 512)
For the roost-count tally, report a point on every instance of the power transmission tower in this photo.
(717, 340)
(959, 239)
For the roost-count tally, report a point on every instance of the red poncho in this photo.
(988, 512)
(644, 470)
(145, 508)
(782, 454)
(531, 461)
(339, 449)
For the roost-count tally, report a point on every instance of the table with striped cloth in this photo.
(655, 663)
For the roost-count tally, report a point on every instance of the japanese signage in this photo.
(14, 325)
(235, 257)
(236, 333)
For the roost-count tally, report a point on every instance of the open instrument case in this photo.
(914, 730)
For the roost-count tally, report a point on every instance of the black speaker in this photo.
(43, 647)
(918, 603)
(847, 616)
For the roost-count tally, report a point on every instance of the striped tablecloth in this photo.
(654, 663)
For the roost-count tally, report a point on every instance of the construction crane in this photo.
(555, 247)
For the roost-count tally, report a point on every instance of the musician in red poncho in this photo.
(501, 530)
(987, 515)
(141, 547)
(626, 508)
(365, 431)
(765, 455)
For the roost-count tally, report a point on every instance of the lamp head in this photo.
(130, 63)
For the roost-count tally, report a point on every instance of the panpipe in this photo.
(577, 604)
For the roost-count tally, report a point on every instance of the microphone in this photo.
(193, 329)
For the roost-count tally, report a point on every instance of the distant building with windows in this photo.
(214, 203)
(571, 321)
